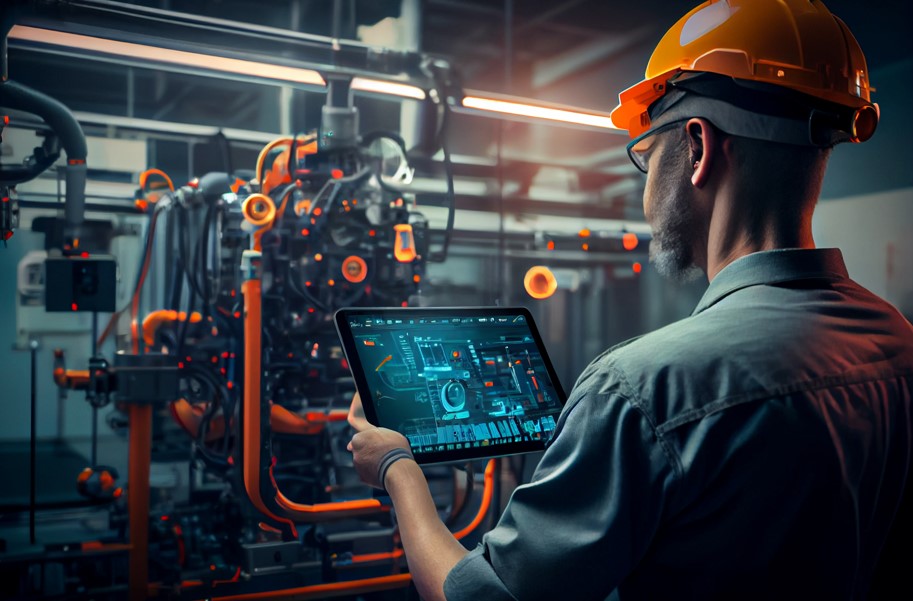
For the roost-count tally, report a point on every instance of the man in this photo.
(759, 448)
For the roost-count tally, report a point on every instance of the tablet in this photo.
(459, 383)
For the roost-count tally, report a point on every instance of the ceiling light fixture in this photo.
(387, 87)
(522, 109)
(165, 55)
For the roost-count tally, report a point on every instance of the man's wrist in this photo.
(388, 460)
(401, 475)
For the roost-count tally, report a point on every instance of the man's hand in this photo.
(430, 547)
(370, 444)
(357, 415)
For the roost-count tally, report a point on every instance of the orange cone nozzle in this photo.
(540, 282)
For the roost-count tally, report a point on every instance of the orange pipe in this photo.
(281, 420)
(261, 158)
(366, 557)
(487, 493)
(189, 417)
(258, 235)
(155, 319)
(326, 511)
(286, 422)
(250, 435)
(251, 430)
(145, 175)
(140, 452)
(77, 379)
(325, 591)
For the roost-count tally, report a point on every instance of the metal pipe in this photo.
(33, 434)
(140, 455)
(61, 120)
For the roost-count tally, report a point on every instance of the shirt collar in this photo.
(773, 267)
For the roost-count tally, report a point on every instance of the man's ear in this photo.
(702, 141)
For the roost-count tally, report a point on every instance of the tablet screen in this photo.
(458, 383)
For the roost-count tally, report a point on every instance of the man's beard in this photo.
(674, 225)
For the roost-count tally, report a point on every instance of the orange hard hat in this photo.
(796, 44)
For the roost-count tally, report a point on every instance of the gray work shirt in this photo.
(757, 449)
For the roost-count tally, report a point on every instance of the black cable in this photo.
(94, 453)
(508, 85)
(202, 252)
(160, 206)
(186, 245)
(183, 326)
(461, 509)
(177, 282)
(225, 147)
(221, 400)
(441, 256)
(499, 265)
(451, 196)
(496, 495)
(33, 443)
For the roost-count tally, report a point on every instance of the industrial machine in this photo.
(219, 366)
(237, 369)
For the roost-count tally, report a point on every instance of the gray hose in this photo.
(17, 96)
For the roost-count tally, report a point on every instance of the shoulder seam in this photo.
(699, 413)
(634, 399)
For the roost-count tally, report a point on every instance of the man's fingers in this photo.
(356, 416)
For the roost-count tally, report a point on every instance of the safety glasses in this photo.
(640, 148)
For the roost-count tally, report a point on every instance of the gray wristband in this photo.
(389, 459)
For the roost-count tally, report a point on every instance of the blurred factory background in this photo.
(527, 191)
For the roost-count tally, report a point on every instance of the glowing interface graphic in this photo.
(454, 383)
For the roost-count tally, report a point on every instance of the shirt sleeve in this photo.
(589, 513)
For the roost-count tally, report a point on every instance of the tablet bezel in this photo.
(341, 318)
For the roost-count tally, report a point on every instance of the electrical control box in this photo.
(81, 284)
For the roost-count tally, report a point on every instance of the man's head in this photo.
(742, 101)
(694, 169)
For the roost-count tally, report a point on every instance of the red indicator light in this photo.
(637, 267)
(629, 241)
